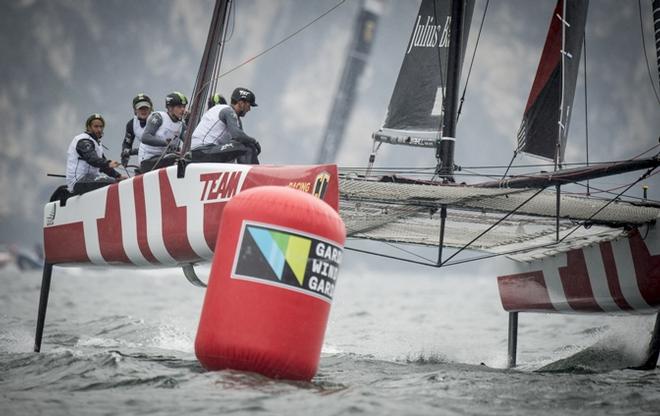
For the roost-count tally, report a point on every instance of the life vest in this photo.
(210, 129)
(167, 130)
(76, 167)
(137, 129)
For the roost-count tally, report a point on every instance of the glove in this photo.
(257, 146)
(125, 155)
(173, 145)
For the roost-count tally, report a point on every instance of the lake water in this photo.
(120, 342)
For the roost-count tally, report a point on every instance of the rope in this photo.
(474, 54)
(586, 111)
(641, 178)
(285, 39)
(265, 51)
(646, 58)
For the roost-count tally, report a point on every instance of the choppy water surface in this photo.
(121, 342)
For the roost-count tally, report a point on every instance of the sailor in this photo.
(216, 99)
(85, 160)
(219, 136)
(161, 138)
(142, 107)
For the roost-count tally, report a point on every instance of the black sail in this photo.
(544, 130)
(414, 116)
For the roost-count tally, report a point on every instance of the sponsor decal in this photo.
(220, 186)
(426, 35)
(321, 184)
(288, 259)
(301, 186)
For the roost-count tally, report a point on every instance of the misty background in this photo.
(64, 59)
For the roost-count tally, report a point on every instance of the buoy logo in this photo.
(288, 259)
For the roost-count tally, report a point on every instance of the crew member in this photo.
(161, 138)
(219, 136)
(142, 107)
(216, 99)
(85, 160)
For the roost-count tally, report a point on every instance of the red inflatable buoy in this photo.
(271, 284)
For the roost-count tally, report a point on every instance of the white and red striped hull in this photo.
(157, 219)
(620, 276)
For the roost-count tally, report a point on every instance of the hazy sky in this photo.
(89, 56)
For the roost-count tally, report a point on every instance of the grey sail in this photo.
(364, 32)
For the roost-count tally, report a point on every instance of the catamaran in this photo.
(575, 254)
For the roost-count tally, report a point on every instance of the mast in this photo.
(445, 148)
(210, 60)
(364, 31)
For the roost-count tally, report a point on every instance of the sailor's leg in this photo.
(43, 303)
(249, 157)
(513, 339)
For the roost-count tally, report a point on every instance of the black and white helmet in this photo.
(241, 93)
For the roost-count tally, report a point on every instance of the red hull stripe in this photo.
(141, 219)
(109, 229)
(647, 270)
(175, 234)
(525, 291)
(575, 280)
(625, 272)
(73, 251)
(613, 276)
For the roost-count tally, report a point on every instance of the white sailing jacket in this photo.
(210, 130)
(167, 130)
(76, 167)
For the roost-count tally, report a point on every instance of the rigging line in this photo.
(470, 172)
(218, 62)
(474, 54)
(412, 253)
(535, 165)
(233, 24)
(221, 47)
(646, 58)
(387, 256)
(285, 39)
(609, 191)
(494, 225)
(455, 262)
(586, 111)
(581, 223)
(646, 151)
(515, 153)
(265, 51)
(562, 122)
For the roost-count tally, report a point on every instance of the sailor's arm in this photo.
(229, 117)
(127, 143)
(129, 137)
(154, 122)
(85, 149)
